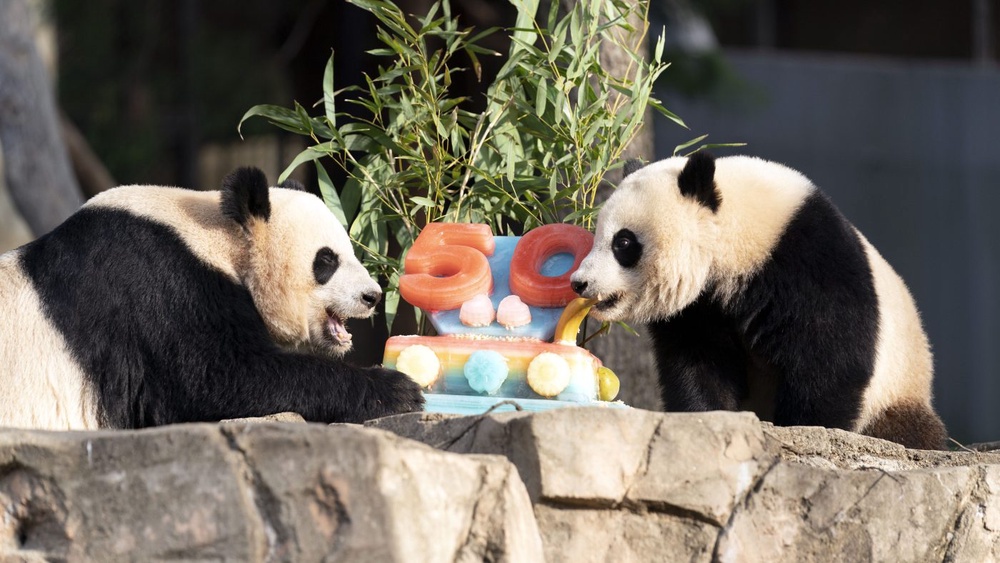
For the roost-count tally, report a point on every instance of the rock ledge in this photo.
(581, 484)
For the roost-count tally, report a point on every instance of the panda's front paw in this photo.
(393, 392)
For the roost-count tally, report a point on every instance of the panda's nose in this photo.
(371, 298)
(579, 286)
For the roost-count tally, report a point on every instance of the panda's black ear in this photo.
(245, 195)
(631, 165)
(697, 180)
(292, 184)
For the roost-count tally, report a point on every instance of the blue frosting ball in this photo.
(486, 371)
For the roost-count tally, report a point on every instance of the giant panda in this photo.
(158, 305)
(759, 295)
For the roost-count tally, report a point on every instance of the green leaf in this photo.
(658, 51)
(655, 104)
(541, 96)
(391, 306)
(627, 328)
(423, 201)
(308, 155)
(581, 214)
(350, 198)
(329, 97)
(282, 117)
(683, 146)
(330, 196)
(524, 33)
(555, 123)
(710, 146)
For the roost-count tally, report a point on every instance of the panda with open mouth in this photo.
(157, 305)
(759, 295)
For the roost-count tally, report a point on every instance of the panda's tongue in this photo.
(338, 331)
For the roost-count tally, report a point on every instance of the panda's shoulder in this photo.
(741, 171)
(193, 218)
(156, 202)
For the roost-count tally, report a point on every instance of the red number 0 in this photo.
(534, 248)
(447, 266)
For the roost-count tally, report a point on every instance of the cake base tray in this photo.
(474, 405)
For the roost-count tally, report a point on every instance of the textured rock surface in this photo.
(620, 485)
(256, 492)
(582, 484)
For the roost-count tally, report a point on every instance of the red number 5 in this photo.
(447, 266)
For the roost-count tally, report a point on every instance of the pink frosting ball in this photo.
(477, 312)
(512, 312)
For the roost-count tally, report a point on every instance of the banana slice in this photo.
(572, 316)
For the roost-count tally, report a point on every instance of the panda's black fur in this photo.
(162, 337)
(796, 338)
(701, 352)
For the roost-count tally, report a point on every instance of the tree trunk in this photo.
(88, 169)
(631, 357)
(37, 168)
(13, 230)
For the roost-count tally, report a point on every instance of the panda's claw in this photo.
(392, 392)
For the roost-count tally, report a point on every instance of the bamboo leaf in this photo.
(710, 146)
(350, 198)
(329, 193)
(541, 96)
(423, 201)
(282, 117)
(658, 51)
(329, 98)
(683, 146)
(556, 121)
(308, 155)
(391, 305)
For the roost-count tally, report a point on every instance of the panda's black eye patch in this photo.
(324, 265)
(626, 248)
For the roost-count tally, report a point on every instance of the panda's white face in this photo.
(304, 276)
(652, 252)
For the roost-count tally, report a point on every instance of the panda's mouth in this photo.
(607, 303)
(336, 330)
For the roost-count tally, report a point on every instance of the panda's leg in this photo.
(824, 372)
(328, 390)
(913, 424)
(700, 360)
(272, 380)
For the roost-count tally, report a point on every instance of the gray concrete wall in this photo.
(910, 152)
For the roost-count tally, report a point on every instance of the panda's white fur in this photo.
(154, 305)
(41, 386)
(904, 366)
(693, 244)
(269, 260)
(709, 265)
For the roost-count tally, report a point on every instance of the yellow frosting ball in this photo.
(420, 363)
(608, 384)
(548, 374)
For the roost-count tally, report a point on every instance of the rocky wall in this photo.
(584, 484)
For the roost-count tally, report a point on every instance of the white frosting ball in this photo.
(420, 363)
(548, 374)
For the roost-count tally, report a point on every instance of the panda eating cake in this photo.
(506, 321)
(156, 305)
(758, 294)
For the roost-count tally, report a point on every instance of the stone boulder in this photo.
(256, 492)
(633, 485)
(577, 484)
